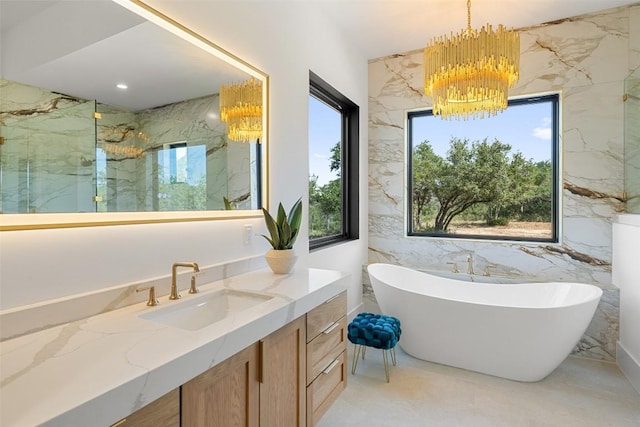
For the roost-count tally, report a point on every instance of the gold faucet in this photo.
(470, 265)
(174, 283)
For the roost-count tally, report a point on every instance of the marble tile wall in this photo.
(116, 138)
(194, 121)
(59, 175)
(586, 59)
(241, 165)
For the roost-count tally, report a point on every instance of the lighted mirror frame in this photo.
(12, 222)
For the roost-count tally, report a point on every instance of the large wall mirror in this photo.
(110, 113)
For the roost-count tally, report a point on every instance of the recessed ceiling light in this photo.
(122, 86)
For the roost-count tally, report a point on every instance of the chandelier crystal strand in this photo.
(241, 110)
(469, 74)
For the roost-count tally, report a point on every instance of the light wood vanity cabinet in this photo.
(162, 412)
(263, 385)
(326, 356)
(290, 378)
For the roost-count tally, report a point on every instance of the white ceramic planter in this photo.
(281, 261)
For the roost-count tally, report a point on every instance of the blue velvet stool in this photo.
(374, 330)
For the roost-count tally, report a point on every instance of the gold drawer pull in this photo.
(333, 297)
(122, 421)
(330, 328)
(329, 368)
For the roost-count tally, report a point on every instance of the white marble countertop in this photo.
(98, 370)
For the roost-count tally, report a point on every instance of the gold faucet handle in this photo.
(486, 269)
(455, 267)
(193, 289)
(152, 301)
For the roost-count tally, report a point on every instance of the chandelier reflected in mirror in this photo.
(469, 74)
(241, 110)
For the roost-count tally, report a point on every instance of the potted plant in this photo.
(283, 232)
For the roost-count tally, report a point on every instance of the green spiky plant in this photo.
(284, 228)
(227, 204)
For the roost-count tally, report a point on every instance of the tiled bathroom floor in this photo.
(581, 392)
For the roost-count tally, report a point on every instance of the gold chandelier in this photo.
(469, 74)
(241, 110)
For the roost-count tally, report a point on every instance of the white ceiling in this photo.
(102, 44)
(377, 27)
(385, 27)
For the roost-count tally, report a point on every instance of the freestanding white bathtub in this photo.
(520, 332)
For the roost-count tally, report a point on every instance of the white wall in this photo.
(626, 273)
(284, 40)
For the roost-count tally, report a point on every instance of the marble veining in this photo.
(57, 175)
(596, 342)
(40, 102)
(97, 370)
(24, 320)
(585, 192)
(586, 59)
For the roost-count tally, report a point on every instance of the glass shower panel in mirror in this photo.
(47, 157)
(632, 142)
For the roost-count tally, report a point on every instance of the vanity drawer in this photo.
(325, 348)
(325, 315)
(326, 388)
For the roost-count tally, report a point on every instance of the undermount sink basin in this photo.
(205, 310)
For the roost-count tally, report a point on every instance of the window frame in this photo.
(556, 161)
(349, 173)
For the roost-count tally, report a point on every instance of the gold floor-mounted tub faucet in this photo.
(174, 283)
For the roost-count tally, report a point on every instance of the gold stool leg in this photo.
(356, 353)
(393, 356)
(386, 364)
(364, 348)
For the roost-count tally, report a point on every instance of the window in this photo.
(333, 165)
(494, 178)
(173, 152)
(182, 171)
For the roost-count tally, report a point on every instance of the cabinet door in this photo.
(282, 387)
(227, 395)
(162, 412)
